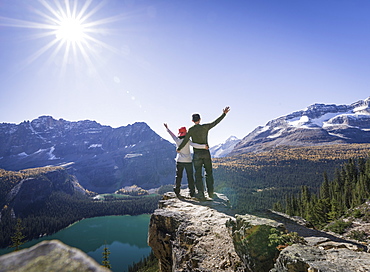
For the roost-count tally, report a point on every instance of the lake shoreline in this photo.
(124, 235)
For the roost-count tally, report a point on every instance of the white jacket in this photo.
(185, 155)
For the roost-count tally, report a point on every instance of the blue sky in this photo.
(159, 61)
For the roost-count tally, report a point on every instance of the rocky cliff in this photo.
(104, 159)
(30, 188)
(188, 235)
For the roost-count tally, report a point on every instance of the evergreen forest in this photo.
(349, 188)
(255, 181)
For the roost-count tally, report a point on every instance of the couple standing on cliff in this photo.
(202, 157)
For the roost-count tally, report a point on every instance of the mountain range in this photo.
(104, 159)
(319, 124)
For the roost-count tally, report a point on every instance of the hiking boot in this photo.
(200, 196)
(177, 192)
(211, 195)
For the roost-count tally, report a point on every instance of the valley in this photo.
(48, 199)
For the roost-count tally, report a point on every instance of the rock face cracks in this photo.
(188, 235)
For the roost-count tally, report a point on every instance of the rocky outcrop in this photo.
(188, 235)
(322, 258)
(104, 159)
(49, 256)
(311, 250)
(251, 239)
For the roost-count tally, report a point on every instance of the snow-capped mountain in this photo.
(319, 124)
(223, 149)
(104, 159)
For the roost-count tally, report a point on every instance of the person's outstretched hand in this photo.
(165, 125)
(226, 110)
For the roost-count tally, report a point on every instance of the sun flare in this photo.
(70, 28)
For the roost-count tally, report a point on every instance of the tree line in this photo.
(349, 188)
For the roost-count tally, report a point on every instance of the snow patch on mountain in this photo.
(223, 149)
(23, 154)
(51, 155)
(277, 134)
(96, 146)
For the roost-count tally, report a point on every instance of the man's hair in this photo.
(196, 117)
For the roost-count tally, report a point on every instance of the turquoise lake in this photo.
(125, 236)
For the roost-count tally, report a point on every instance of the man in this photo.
(202, 157)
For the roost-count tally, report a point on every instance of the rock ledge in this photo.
(188, 235)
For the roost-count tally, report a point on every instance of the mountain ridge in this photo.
(318, 124)
(104, 159)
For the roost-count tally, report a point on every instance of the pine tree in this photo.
(18, 236)
(106, 253)
(324, 188)
(288, 205)
(305, 201)
(335, 210)
(278, 207)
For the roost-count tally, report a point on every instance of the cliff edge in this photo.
(188, 235)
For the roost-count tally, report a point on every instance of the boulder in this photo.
(315, 259)
(49, 256)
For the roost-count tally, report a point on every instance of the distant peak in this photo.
(232, 138)
(45, 117)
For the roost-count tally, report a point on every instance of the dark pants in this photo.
(189, 173)
(202, 158)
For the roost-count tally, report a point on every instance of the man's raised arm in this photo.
(218, 120)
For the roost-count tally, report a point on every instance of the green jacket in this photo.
(199, 133)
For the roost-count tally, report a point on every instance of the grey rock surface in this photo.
(49, 256)
(189, 235)
(316, 259)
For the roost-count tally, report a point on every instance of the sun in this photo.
(71, 29)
